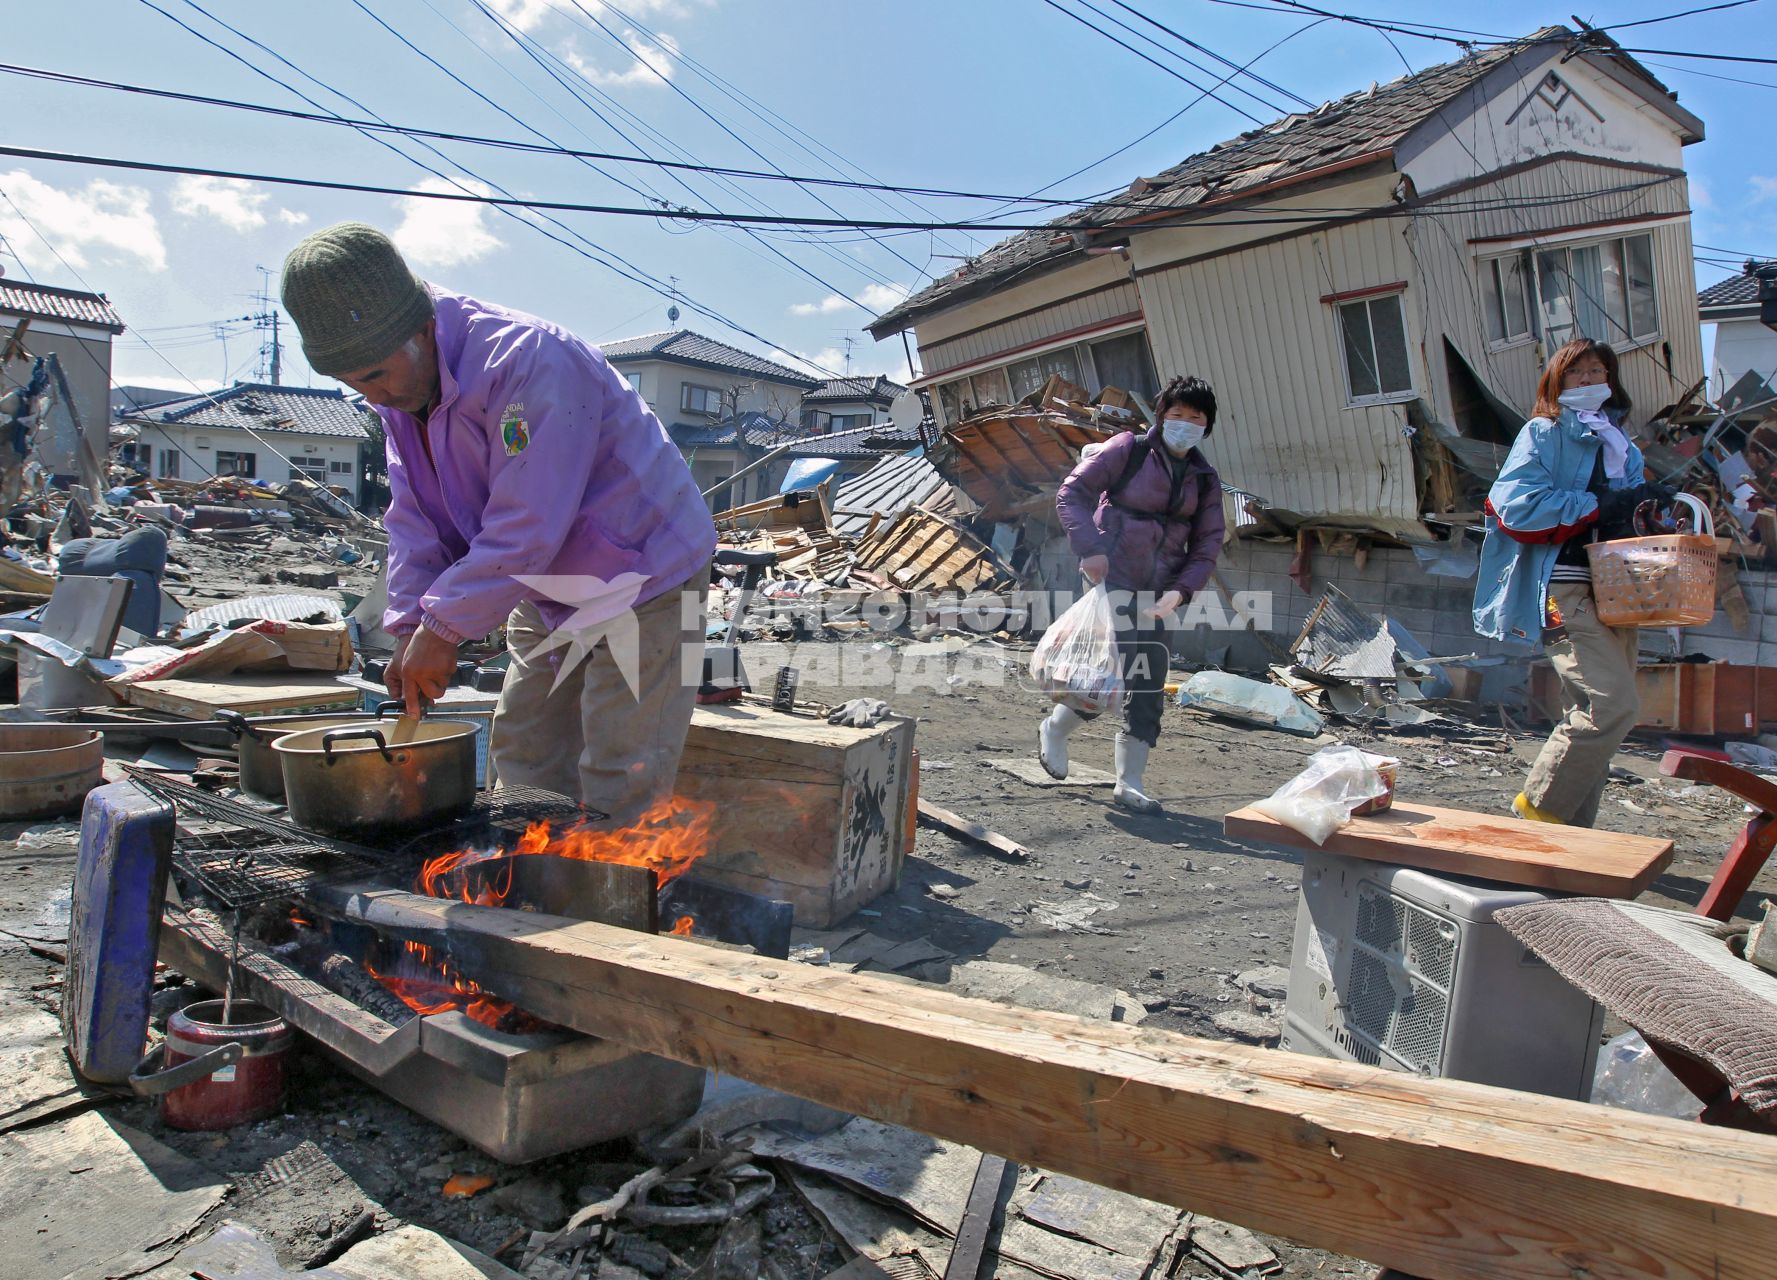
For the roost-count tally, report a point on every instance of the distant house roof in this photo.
(1735, 293)
(752, 430)
(46, 302)
(310, 410)
(878, 390)
(681, 346)
(127, 400)
(860, 442)
(1362, 126)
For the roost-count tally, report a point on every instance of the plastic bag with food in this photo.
(1076, 661)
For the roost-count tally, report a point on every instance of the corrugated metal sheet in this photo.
(890, 487)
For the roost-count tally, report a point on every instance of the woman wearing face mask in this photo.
(1572, 476)
(1144, 514)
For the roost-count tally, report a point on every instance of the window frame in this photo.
(1621, 335)
(235, 456)
(169, 464)
(340, 467)
(1530, 312)
(1352, 399)
(685, 405)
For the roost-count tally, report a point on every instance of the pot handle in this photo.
(238, 725)
(332, 736)
(383, 708)
(146, 1082)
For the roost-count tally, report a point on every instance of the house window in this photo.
(169, 464)
(635, 382)
(229, 463)
(314, 468)
(1375, 338)
(985, 389)
(1030, 375)
(1601, 291)
(339, 468)
(1126, 363)
(850, 421)
(696, 399)
(1505, 285)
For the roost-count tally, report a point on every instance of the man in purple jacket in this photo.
(531, 487)
(1144, 514)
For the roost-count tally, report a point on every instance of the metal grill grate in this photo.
(242, 856)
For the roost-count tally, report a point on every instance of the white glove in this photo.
(859, 713)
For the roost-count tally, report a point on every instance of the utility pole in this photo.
(269, 319)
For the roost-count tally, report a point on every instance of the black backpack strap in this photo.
(1138, 455)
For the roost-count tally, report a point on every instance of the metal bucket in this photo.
(45, 771)
(245, 1090)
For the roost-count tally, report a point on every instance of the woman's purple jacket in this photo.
(1161, 533)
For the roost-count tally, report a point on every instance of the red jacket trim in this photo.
(1538, 537)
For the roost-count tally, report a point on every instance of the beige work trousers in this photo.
(1596, 666)
(589, 735)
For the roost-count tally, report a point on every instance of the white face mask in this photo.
(1586, 399)
(1181, 436)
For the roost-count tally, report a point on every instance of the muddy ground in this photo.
(1190, 910)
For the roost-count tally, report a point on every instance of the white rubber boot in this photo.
(1132, 760)
(1052, 736)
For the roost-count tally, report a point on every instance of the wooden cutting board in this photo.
(1483, 846)
(248, 694)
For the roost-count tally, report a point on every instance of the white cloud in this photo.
(653, 62)
(101, 223)
(230, 201)
(291, 218)
(867, 360)
(876, 298)
(526, 15)
(444, 233)
(1764, 189)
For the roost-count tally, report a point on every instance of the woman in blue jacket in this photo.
(1572, 476)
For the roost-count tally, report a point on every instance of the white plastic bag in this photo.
(1630, 1076)
(1319, 800)
(1076, 661)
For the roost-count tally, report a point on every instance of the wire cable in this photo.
(1208, 52)
(1152, 61)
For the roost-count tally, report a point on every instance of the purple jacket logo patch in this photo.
(515, 436)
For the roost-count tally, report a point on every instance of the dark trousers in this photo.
(1146, 655)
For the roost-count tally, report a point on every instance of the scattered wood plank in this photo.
(943, 819)
(1601, 864)
(1442, 1179)
(248, 694)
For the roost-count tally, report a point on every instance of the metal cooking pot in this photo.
(372, 781)
(262, 773)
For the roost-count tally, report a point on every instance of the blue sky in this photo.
(984, 95)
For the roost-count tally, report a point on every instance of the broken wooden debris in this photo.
(1425, 1175)
(944, 820)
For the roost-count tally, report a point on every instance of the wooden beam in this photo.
(1456, 842)
(1439, 1178)
(957, 825)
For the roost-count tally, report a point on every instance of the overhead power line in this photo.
(1296, 217)
(1211, 53)
(1648, 22)
(514, 144)
(1176, 75)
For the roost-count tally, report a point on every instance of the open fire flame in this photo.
(668, 838)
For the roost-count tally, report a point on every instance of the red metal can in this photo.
(247, 1090)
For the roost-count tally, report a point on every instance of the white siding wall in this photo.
(1546, 198)
(1107, 303)
(197, 448)
(1252, 323)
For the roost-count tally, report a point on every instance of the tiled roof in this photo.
(311, 410)
(681, 346)
(45, 302)
(837, 389)
(755, 430)
(1735, 291)
(1370, 122)
(860, 442)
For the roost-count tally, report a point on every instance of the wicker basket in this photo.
(1663, 581)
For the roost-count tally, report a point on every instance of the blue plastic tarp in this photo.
(806, 473)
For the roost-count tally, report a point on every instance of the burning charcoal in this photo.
(464, 1185)
(350, 979)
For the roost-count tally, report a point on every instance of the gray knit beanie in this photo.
(353, 298)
